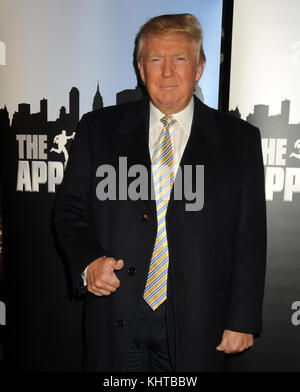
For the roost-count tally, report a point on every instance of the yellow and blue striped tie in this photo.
(163, 176)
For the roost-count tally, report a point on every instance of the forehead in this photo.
(172, 42)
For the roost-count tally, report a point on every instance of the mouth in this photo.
(168, 87)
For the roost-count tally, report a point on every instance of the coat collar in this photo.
(136, 115)
(133, 115)
(205, 121)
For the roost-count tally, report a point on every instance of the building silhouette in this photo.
(129, 95)
(74, 106)
(275, 126)
(4, 117)
(44, 110)
(98, 100)
(4, 127)
(25, 121)
(235, 112)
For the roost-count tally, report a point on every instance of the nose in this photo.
(167, 68)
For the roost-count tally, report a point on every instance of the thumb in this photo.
(119, 264)
(221, 346)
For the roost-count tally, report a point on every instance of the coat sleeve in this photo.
(249, 262)
(72, 220)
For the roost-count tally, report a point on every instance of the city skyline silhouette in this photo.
(275, 126)
(23, 121)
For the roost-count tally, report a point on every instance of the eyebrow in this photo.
(178, 53)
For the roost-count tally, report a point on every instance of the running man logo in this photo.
(2, 53)
(2, 313)
(297, 146)
(61, 140)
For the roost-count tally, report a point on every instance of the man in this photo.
(169, 289)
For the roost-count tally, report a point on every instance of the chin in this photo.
(168, 101)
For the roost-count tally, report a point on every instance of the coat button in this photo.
(131, 271)
(120, 323)
(144, 217)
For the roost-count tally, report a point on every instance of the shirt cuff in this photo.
(83, 275)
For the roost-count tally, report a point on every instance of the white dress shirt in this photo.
(179, 133)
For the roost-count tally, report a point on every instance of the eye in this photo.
(180, 59)
(155, 60)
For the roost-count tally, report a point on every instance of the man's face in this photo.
(169, 69)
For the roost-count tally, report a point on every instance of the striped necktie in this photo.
(163, 176)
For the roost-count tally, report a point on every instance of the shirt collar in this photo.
(184, 117)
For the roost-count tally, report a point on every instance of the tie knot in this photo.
(168, 120)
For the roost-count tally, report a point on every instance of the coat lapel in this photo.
(204, 134)
(134, 144)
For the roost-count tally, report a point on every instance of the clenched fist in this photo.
(100, 276)
(235, 342)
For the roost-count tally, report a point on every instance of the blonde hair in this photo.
(186, 24)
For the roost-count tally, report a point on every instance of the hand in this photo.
(100, 276)
(234, 342)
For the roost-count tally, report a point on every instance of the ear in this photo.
(199, 71)
(142, 71)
